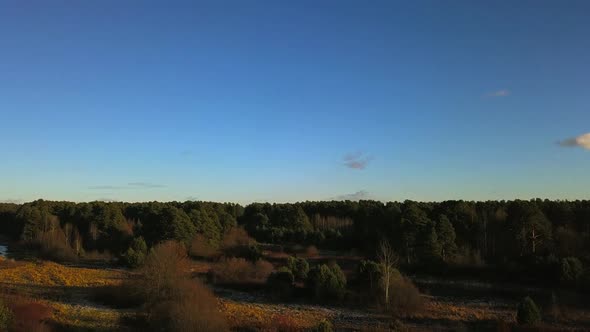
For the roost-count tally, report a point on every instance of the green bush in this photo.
(327, 282)
(136, 253)
(6, 317)
(528, 312)
(298, 266)
(571, 270)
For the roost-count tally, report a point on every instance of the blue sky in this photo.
(287, 101)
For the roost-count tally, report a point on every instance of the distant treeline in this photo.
(538, 235)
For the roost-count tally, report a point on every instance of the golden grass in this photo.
(263, 317)
(449, 311)
(85, 318)
(53, 274)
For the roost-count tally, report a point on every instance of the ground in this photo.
(68, 290)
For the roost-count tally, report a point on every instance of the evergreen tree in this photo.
(446, 237)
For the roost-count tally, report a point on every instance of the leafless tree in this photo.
(388, 261)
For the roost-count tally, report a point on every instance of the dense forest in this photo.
(541, 241)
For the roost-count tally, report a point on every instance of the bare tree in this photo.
(388, 261)
(93, 231)
(77, 241)
(68, 231)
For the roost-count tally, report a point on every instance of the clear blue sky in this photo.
(294, 100)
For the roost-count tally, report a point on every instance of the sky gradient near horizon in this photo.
(287, 101)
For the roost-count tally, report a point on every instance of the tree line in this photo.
(542, 239)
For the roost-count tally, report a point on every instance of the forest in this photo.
(331, 253)
(530, 240)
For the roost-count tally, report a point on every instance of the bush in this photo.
(237, 243)
(280, 283)
(327, 282)
(571, 270)
(135, 254)
(239, 271)
(323, 326)
(202, 248)
(173, 301)
(404, 296)
(31, 317)
(298, 266)
(528, 313)
(164, 267)
(6, 317)
(192, 308)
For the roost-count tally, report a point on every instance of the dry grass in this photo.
(84, 318)
(53, 274)
(264, 317)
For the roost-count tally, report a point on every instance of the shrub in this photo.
(31, 317)
(135, 254)
(202, 248)
(174, 302)
(22, 314)
(404, 296)
(239, 270)
(237, 243)
(323, 326)
(327, 282)
(280, 283)
(298, 266)
(528, 313)
(6, 317)
(164, 267)
(571, 270)
(192, 308)
(236, 237)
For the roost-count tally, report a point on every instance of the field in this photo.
(68, 290)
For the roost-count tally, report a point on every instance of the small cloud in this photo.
(192, 198)
(582, 141)
(356, 160)
(106, 187)
(498, 93)
(106, 200)
(145, 185)
(359, 195)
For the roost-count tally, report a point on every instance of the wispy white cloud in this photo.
(106, 200)
(145, 185)
(582, 141)
(498, 93)
(356, 160)
(359, 195)
(130, 185)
